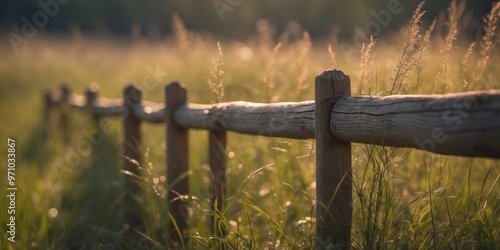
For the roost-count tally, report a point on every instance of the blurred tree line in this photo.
(229, 18)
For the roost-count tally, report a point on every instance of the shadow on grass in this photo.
(92, 202)
(39, 147)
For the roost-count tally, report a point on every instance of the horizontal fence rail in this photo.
(290, 120)
(464, 124)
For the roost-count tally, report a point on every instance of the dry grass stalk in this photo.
(180, 31)
(366, 62)
(305, 48)
(422, 54)
(217, 85)
(77, 37)
(268, 78)
(455, 12)
(410, 47)
(436, 82)
(491, 23)
(332, 56)
(265, 35)
(465, 66)
(286, 35)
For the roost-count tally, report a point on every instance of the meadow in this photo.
(402, 198)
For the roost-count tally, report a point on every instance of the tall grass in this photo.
(402, 198)
(217, 83)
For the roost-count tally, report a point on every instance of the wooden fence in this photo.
(464, 124)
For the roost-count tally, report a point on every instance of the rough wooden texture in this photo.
(217, 157)
(466, 124)
(333, 167)
(463, 124)
(132, 97)
(291, 120)
(177, 164)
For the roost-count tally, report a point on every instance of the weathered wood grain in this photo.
(177, 164)
(466, 124)
(291, 120)
(333, 167)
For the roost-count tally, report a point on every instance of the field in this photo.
(403, 198)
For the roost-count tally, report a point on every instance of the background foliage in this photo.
(319, 17)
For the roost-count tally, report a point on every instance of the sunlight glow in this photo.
(52, 212)
(245, 53)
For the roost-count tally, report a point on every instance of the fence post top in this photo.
(339, 75)
(176, 84)
(133, 87)
(332, 83)
(175, 92)
(132, 94)
(93, 87)
(332, 75)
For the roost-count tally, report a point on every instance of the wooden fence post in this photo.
(91, 94)
(132, 98)
(64, 113)
(333, 167)
(177, 164)
(217, 159)
(47, 108)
